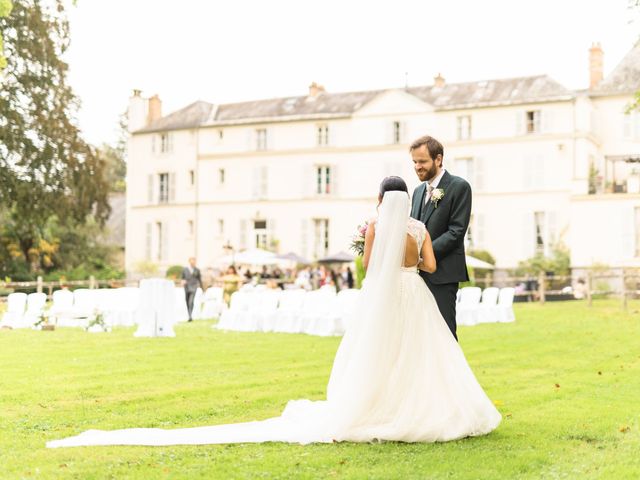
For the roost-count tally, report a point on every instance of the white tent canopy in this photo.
(474, 262)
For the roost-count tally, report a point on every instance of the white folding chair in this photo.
(505, 305)
(289, 309)
(35, 308)
(213, 303)
(16, 304)
(487, 311)
(239, 303)
(469, 301)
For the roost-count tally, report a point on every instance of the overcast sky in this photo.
(235, 50)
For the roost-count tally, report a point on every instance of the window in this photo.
(260, 233)
(323, 180)
(539, 232)
(464, 127)
(220, 226)
(163, 196)
(192, 177)
(321, 237)
(322, 132)
(261, 139)
(396, 133)
(533, 121)
(637, 225)
(221, 176)
(166, 143)
(190, 227)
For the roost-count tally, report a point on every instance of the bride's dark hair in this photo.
(393, 184)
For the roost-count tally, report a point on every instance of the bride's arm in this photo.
(428, 263)
(368, 243)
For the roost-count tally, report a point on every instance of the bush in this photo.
(174, 272)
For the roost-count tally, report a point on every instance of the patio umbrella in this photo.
(474, 262)
(254, 256)
(293, 257)
(340, 257)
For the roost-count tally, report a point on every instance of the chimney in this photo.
(154, 111)
(137, 112)
(315, 90)
(596, 64)
(438, 81)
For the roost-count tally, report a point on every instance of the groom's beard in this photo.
(432, 174)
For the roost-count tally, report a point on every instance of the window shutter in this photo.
(528, 231)
(153, 143)
(243, 234)
(304, 233)
(519, 123)
(271, 233)
(552, 229)
(255, 183)
(478, 167)
(335, 180)
(546, 121)
(403, 131)
(150, 188)
(147, 245)
(172, 187)
(264, 182)
(251, 143)
(164, 255)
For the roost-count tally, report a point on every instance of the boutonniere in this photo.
(436, 196)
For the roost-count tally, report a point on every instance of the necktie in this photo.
(428, 196)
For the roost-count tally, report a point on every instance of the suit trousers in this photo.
(445, 295)
(190, 297)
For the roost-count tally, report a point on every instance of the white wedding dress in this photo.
(398, 374)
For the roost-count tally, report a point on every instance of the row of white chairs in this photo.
(320, 312)
(490, 305)
(118, 306)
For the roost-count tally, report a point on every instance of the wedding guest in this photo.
(191, 280)
(231, 282)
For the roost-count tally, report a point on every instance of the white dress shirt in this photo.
(433, 185)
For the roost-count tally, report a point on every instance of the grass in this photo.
(565, 377)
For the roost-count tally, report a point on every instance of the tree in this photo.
(5, 10)
(46, 168)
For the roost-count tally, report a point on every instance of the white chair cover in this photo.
(469, 301)
(156, 312)
(213, 303)
(16, 304)
(487, 311)
(505, 305)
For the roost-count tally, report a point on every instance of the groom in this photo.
(443, 203)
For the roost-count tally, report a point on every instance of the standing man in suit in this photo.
(443, 203)
(191, 280)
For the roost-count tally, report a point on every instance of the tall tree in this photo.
(5, 9)
(46, 168)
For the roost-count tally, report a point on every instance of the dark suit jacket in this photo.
(193, 280)
(447, 224)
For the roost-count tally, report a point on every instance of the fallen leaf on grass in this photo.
(507, 415)
(557, 385)
(599, 372)
(498, 403)
(625, 428)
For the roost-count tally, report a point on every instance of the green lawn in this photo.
(565, 377)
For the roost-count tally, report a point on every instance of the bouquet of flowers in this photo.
(357, 241)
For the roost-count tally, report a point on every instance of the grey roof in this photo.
(334, 105)
(625, 78)
(492, 93)
(325, 105)
(190, 116)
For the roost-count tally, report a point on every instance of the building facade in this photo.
(546, 164)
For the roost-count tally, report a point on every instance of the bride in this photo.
(398, 374)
